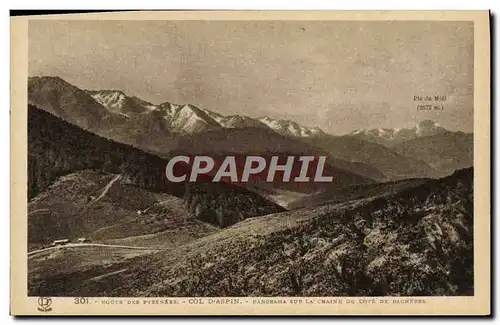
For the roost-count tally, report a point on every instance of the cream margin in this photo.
(479, 304)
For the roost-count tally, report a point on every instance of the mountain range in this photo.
(386, 225)
(389, 137)
(444, 152)
(187, 118)
(378, 154)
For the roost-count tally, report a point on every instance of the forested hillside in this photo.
(57, 148)
(418, 242)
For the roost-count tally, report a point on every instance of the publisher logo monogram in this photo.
(44, 303)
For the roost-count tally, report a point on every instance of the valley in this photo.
(396, 219)
(371, 246)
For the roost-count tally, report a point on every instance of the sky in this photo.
(336, 75)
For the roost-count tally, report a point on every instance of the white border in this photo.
(190, 4)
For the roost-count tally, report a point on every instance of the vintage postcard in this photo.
(251, 163)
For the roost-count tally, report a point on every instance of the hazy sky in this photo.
(338, 75)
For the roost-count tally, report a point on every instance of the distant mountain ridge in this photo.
(291, 128)
(168, 127)
(161, 129)
(235, 121)
(187, 118)
(53, 94)
(444, 152)
(387, 136)
(68, 102)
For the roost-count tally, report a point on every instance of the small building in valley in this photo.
(60, 242)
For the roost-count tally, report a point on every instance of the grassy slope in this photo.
(336, 195)
(68, 210)
(415, 242)
(57, 148)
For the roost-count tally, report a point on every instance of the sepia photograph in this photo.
(252, 161)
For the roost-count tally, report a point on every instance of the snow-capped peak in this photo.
(388, 136)
(428, 127)
(187, 118)
(216, 116)
(113, 100)
(290, 128)
(117, 102)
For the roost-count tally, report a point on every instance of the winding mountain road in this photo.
(106, 189)
(87, 245)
